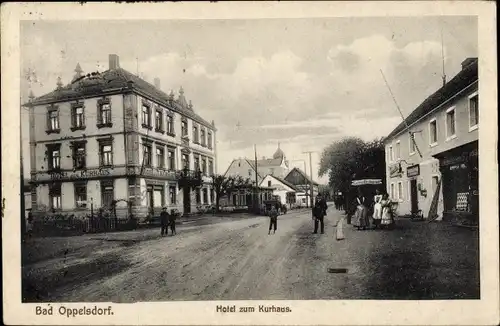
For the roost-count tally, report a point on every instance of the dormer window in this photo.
(104, 113)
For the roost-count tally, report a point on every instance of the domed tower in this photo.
(279, 153)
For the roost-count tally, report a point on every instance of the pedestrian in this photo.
(273, 219)
(319, 212)
(171, 221)
(361, 220)
(164, 221)
(387, 214)
(377, 208)
(29, 225)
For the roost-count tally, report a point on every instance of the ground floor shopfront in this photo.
(460, 181)
(133, 194)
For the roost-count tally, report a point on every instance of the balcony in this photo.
(190, 178)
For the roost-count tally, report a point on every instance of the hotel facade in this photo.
(436, 172)
(112, 139)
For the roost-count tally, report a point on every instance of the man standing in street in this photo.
(319, 212)
(171, 221)
(273, 223)
(164, 219)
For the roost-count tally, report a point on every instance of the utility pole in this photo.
(311, 187)
(256, 180)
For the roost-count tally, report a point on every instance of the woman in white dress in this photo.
(387, 219)
(377, 209)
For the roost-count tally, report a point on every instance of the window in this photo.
(209, 140)
(196, 137)
(158, 196)
(400, 190)
(104, 113)
(204, 166)
(205, 195)
(79, 155)
(171, 159)
(132, 186)
(107, 193)
(170, 125)
(398, 150)
(185, 161)
(412, 143)
(80, 195)
(53, 120)
(212, 195)
(106, 153)
(269, 183)
(54, 156)
(147, 159)
(450, 123)
(391, 154)
(184, 128)
(210, 167)
(198, 196)
(203, 140)
(196, 163)
(473, 112)
(172, 194)
(160, 156)
(433, 136)
(146, 116)
(77, 118)
(392, 191)
(159, 121)
(55, 195)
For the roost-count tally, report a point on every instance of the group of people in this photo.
(318, 213)
(382, 211)
(167, 220)
(338, 201)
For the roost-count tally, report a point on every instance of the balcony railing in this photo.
(190, 178)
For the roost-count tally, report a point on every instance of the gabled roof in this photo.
(303, 175)
(283, 181)
(464, 78)
(116, 80)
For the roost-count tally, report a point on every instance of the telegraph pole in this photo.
(311, 186)
(256, 180)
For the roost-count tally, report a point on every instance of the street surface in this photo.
(234, 259)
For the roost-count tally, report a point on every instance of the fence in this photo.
(67, 226)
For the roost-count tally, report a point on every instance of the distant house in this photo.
(242, 197)
(282, 188)
(277, 166)
(302, 183)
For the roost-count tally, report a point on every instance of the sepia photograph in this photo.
(226, 160)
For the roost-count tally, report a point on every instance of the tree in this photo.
(225, 185)
(351, 158)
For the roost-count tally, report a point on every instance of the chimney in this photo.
(157, 83)
(467, 62)
(114, 62)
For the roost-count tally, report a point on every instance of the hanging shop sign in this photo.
(413, 171)
(366, 182)
(395, 171)
(73, 175)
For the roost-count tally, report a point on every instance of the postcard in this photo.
(250, 163)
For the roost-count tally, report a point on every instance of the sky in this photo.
(300, 83)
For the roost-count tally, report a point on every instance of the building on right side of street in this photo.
(442, 183)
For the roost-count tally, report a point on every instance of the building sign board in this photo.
(366, 182)
(395, 170)
(95, 173)
(413, 171)
(160, 173)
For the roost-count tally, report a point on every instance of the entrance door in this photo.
(187, 200)
(414, 195)
(150, 199)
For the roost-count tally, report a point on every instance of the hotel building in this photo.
(111, 137)
(437, 173)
